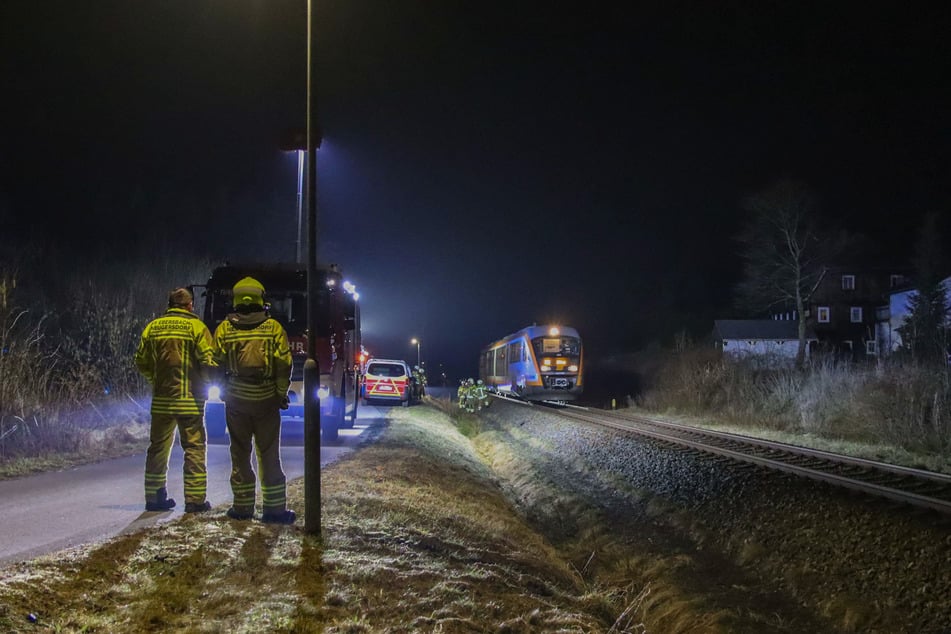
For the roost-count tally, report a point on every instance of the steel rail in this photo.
(744, 449)
(808, 452)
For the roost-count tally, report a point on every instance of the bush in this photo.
(898, 403)
(67, 358)
(912, 405)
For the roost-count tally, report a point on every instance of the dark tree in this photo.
(783, 254)
(925, 333)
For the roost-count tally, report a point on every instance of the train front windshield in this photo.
(557, 346)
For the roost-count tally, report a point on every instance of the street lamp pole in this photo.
(311, 366)
(300, 202)
(415, 341)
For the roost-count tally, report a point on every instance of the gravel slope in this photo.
(855, 564)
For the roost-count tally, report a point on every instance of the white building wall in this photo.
(739, 348)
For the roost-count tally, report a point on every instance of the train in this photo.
(536, 363)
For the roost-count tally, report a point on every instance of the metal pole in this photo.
(311, 366)
(300, 202)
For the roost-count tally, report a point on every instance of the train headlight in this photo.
(572, 368)
(214, 393)
(546, 368)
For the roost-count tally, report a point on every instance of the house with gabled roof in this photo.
(767, 340)
(848, 307)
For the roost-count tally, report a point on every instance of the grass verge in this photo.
(416, 537)
(445, 524)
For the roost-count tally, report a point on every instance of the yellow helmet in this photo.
(248, 291)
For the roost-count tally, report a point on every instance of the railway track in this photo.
(915, 487)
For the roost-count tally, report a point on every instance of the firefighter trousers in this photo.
(191, 435)
(260, 422)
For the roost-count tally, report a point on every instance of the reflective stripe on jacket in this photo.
(175, 354)
(254, 352)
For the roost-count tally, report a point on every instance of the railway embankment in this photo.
(862, 565)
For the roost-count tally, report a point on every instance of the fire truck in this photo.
(285, 297)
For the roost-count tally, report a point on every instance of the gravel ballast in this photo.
(858, 564)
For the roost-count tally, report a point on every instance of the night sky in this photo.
(485, 165)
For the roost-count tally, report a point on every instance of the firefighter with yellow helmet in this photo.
(175, 356)
(480, 394)
(467, 397)
(253, 351)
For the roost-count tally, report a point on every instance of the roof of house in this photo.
(758, 329)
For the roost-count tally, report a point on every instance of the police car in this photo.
(387, 380)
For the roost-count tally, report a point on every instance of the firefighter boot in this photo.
(238, 515)
(197, 507)
(283, 517)
(161, 502)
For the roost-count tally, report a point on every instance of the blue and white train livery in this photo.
(538, 363)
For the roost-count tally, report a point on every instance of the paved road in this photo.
(51, 511)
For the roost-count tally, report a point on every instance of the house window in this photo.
(871, 347)
(822, 314)
(848, 282)
(855, 314)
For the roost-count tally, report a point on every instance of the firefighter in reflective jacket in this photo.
(480, 395)
(175, 356)
(419, 383)
(253, 351)
(422, 381)
(467, 395)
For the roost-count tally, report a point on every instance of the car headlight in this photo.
(572, 368)
(546, 368)
(214, 393)
(323, 392)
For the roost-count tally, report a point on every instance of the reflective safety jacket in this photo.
(253, 351)
(175, 355)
